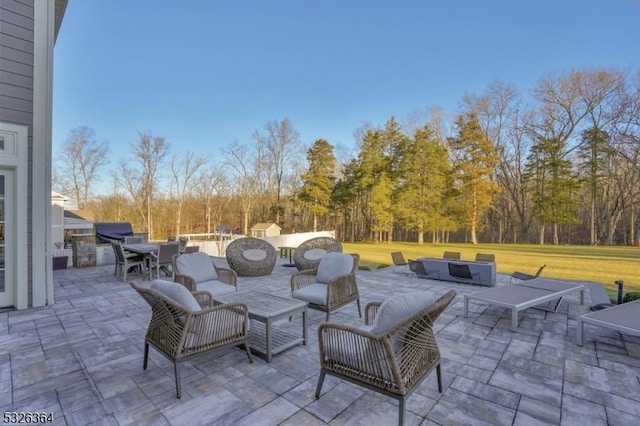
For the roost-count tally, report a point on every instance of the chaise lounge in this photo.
(529, 294)
(624, 318)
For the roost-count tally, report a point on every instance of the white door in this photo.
(7, 238)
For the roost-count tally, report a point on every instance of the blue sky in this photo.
(206, 73)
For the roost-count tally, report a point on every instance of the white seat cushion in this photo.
(315, 293)
(333, 265)
(216, 287)
(176, 292)
(197, 265)
(254, 255)
(314, 254)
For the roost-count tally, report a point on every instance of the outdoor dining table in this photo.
(145, 249)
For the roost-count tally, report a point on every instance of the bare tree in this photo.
(80, 159)
(215, 189)
(283, 148)
(185, 172)
(139, 178)
(498, 112)
(239, 158)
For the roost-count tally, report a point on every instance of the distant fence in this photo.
(218, 248)
(294, 240)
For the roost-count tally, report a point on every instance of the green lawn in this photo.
(599, 264)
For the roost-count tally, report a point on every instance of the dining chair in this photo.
(133, 240)
(126, 260)
(163, 259)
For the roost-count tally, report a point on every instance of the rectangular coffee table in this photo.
(264, 310)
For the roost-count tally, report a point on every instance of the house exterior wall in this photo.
(16, 97)
(26, 52)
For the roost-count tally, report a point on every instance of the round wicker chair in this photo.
(309, 253)
(251, 257)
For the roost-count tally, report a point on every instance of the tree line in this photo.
(559, 165)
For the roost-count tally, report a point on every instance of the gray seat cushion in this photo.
(333, 265)
(315, 293)
(314, 254)
(197, 265)
(216, 287)
(176, 292)
(254, 255)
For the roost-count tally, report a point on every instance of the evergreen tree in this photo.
(594, 153)
(554, 198)
(421, 201)
(376, 161)
(381, 207)
(475, 159)
(318, 180)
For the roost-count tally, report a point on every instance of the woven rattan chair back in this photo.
(328, 244)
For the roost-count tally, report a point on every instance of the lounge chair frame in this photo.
(523, 296)
(620, 318)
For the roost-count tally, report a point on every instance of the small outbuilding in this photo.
(260, 230)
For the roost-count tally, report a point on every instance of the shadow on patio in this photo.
(81, 359)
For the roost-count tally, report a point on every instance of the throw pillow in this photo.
(400, 308)
(333, 265)
(197, 265)
(176, 292)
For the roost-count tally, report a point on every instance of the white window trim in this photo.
(41, 250)
(18, 162)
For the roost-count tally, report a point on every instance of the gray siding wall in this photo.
(16, 61)
(16, 84)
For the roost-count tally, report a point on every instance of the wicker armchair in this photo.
(308, 254)
(197, 272)
(179, 332)
(251, 257)
(330, 286)
(393, 361)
